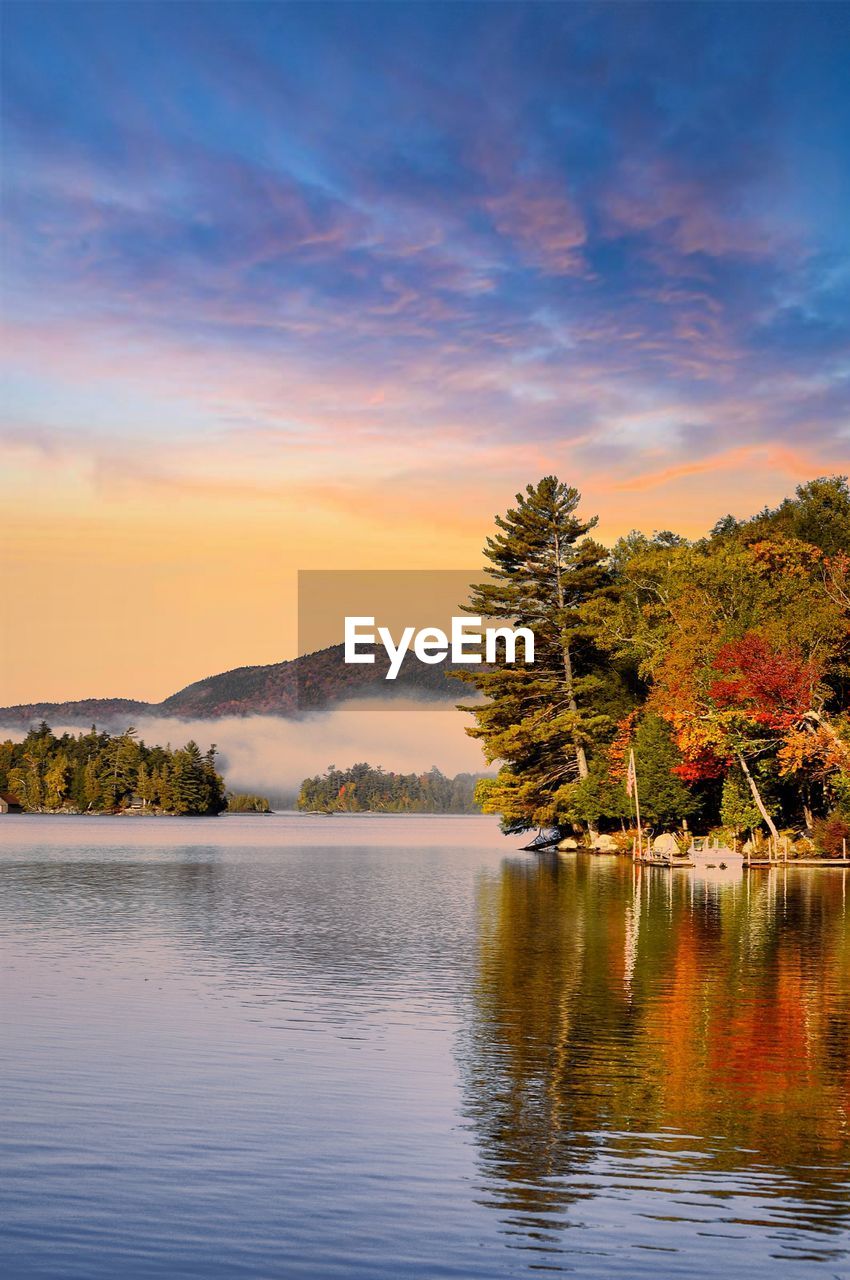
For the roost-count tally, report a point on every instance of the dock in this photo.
(759, 863)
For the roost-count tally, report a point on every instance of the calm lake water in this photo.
(393, 1047)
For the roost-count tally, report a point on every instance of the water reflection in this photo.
(326, 918)
(638, 1035)
(365, 1048)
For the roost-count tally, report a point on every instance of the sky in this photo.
(314, 287)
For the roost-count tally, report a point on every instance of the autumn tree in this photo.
(57, 780)
(743, 642)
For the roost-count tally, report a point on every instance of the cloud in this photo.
(543, 222)
(683, 214)
(386, 272)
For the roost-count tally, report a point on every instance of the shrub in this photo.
(830, 834)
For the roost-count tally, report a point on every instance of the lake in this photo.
(373, 1046)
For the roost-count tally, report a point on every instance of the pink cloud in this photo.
(686, 216)
(544, 224)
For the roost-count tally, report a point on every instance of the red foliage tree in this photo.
(773, 688)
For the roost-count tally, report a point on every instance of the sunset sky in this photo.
(292, 287)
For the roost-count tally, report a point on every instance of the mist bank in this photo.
(292, 689)
(273, 755)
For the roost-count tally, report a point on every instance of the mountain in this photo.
(290, 689)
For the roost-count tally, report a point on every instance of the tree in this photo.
(119, 769)
(738, 809)
(764, 694)
(665, 798)
(190, 793)
(92, 790)
(7, 750)
(145, 785)
(215, 794)
(241, 803)
(542, 719)
(595, 799)
(822, 514)
(740, 642)
(57, 779)
(26, 784)
(163, 789)
(710, 627)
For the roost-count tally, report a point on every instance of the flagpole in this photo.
(634, 788)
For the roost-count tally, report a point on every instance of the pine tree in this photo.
(163, 789)
(145, 786)
(189, 782)
(738, 809)
(93, 794)
(120, 759)
(541, 719)
(665, 799)
(215, 799)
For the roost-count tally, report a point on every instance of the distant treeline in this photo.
(101, 773)
(241, 803)
(365, 788)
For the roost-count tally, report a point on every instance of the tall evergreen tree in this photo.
(214, 783)
(92, 790)
(189, 783)
(118, 773)
(541, 719)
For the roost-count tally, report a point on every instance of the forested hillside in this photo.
(289, 689)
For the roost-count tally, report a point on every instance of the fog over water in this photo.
(275, 754)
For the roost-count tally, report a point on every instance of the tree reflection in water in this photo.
(647, 1048)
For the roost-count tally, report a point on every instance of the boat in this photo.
(715, 861)
(650, 859)
(543, 842)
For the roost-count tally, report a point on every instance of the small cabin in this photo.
(10, 803)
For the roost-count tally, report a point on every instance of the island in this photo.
(98, 772)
